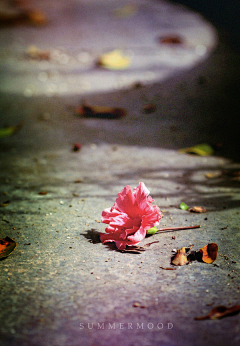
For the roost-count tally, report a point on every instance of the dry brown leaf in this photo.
(104, 112)
(198, 209)
(180, 258)
(7, 245)
(37, 54)
(171, 39)
(209, 252)
(220, 312)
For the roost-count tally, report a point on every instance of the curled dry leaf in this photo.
(7, 245)
(209, 252)
(180, 258)
(220, 312)
(198, 209)
(103, 112)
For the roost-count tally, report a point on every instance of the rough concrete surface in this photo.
(61, 286)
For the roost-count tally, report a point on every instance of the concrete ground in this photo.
(61, 286)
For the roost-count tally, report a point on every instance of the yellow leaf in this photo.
(114, 60)
(9, 130)
(200, 149)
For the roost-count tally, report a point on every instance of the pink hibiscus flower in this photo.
(130, 217)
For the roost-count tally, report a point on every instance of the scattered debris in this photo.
(103, 112)
(171, 39)
(200, 149)
(7, 245)
(42, 193)
(114, 60)
(77, 147)
(220, 312)
(167, 268)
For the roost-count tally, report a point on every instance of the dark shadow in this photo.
(92, 235)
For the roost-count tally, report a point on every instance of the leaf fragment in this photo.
(7, 245)
(200, 149)
(9, 130)
(171, 39)
(198, 209)
(37, 54)
(220, 312)
(114, 60)
(104, 112)
(184, 206)
(209, 252)
(180, 258)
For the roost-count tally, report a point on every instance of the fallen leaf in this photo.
(180, 258)
(37, 54)
(212, 175)
(198, 209)
(37, 18)
(7, 245)
(103, 112)
(209, 252)
(42, 192)
(9, 130)
(200, 149)
(184, 206)
(171, 39)
(114, 60)
(220, 312)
